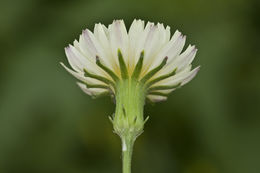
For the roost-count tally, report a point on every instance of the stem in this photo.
(127, 150)
(128, 121)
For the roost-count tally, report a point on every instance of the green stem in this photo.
(127, 150)
(128, 121)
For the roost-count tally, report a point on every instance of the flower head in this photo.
(147, 53)
(144, 62)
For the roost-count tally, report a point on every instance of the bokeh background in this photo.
(47, 124)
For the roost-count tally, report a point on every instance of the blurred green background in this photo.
(47, 124)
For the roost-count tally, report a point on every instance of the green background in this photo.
(47, 124)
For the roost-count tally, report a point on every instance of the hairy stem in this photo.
(127, 150)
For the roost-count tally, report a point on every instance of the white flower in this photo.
(147, 53)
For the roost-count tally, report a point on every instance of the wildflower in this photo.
(131, 66)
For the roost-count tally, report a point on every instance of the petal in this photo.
(140, 42)
(172, 49)
(76, 58)
(155, 98)
(95, 48)
(165, 91)
(168, 33)
(86, 45)
(151, 45)
(156, 39)
(182, 77)
(164, 33)
(185, 58)
(101, 36)
(78, 61)
(175, 46)
(191, 76)
(81, 77)
(135, 36)
(74, 61)
(118, 39)
(91, 91)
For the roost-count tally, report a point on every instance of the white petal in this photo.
(86, 44)
(101, 36)
(78, 62)
(171, 50)
(176, 35)
(91, 91)
(155, 41)
(182, 77)
(168, 33)
(135, 38)
(165, 91)
(80, 76)
(118, 39)
(155, 98)
(84, 49)
(191, 76)
(151, 45)
(185, 58)
(95, 48)
(164, 32)
(176, 45)
(100, 32)
(75, 62)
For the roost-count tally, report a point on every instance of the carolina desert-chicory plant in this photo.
(145, 62)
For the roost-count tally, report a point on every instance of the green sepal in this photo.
(95, 86)
(138, 66)
(123, 68)
(165, 87)
(106, 69)
(161, 78)
(154, 71)
(100, 78)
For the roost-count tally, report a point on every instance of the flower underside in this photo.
(145, 54)
(143, 62)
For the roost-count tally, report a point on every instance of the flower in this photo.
(144, 62)
(146, 53)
